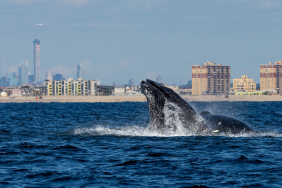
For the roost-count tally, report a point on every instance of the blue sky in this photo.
(139, 39)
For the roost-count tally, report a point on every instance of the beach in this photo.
(140, 98)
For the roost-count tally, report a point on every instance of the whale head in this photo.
(165, 105)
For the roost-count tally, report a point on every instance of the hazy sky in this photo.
(139, 39)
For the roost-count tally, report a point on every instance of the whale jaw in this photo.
(167, 109)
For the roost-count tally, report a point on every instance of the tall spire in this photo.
(36, 44)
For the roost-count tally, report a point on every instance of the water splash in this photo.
(173, 128)
(141, 131)
(172, 119)
(122, 131)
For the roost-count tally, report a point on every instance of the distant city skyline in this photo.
(158, 38)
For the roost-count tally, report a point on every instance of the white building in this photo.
(119, 90)
(132, 90)
(16, 93)
(3, 94)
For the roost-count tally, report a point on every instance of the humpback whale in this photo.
(166, 106)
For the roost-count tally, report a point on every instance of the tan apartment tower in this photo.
(271, 77)
(210, 79)
(244, 83)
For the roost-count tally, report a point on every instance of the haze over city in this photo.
(120, 40)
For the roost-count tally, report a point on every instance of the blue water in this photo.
(107, 145)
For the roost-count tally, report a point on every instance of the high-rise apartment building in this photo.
(70, 87)
(36, 44)
(271, 77)
(23, 73)
(131, 82)
(159, 79)
(79, 71)
(210, 79)
(244, 83)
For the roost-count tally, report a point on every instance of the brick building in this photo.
(210, 78)
(271, 77)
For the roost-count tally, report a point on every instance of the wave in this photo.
(146, 132)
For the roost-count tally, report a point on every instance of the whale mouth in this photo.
(168, 109)
(156, 101)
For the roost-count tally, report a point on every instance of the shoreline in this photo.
(141, 98)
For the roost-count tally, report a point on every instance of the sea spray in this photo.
(172, 119)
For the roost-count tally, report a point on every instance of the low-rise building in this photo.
(185, 91)
(119, 90)
(249, 93)
(244, 83)
(174, 88)
(132, 90)
(126, 90)
(16, 92)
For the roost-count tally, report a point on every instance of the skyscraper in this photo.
(36, 44)
(79, 71)
(131, 82)
(160, 79)
(58, 77)
(11, 79)
(23, 72)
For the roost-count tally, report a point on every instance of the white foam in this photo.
(123, 131)
(172, 112)
(141, 131)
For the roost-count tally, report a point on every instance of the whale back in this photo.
(225, 124)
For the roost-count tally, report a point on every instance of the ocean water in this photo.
(108, 145)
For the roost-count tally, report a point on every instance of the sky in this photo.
(141, 39)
